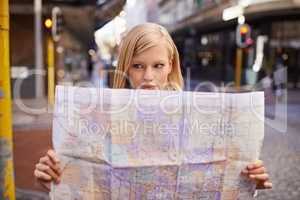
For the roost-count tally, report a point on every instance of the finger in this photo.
(48, 170)
(41, 175)
(47, 161)
(46, 185)
(254, 165)
(53, 156)
(43, 179)
(268, 185)
(260, 170)
(245, 171)
(45, 168)
(259, 177)
(41, 167)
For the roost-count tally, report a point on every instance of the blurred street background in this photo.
(238, 45)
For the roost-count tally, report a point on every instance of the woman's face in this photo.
(150, 69)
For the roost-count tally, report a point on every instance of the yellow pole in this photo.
(51, 77)
(7, 186)
(238, 68)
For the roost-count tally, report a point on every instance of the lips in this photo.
(149, 87)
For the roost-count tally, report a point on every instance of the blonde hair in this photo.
(139, 39)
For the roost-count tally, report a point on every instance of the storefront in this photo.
(210, 54)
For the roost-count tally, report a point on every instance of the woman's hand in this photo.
(257, 172)
(48, 169)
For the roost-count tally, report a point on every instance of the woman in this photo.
(149, 60)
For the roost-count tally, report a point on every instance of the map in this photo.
(152, 144)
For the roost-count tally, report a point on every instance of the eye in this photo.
(159, 65)
(137, 66)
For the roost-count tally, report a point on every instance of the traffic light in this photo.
(243, 35)
(58, 23)
(48, 23)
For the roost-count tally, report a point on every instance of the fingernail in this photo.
(250, 166)
(268, 185)
(57, 180)
(252, 176)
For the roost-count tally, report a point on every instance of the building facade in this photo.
(208, 43)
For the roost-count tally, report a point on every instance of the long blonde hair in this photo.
(139, 39)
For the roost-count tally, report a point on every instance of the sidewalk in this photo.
(30, 195)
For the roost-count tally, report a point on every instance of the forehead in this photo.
(154, 53)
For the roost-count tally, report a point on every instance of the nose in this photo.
(148, 75)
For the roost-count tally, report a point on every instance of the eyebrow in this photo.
(139, 61)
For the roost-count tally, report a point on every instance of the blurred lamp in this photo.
(241, 19)
(232, 12)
